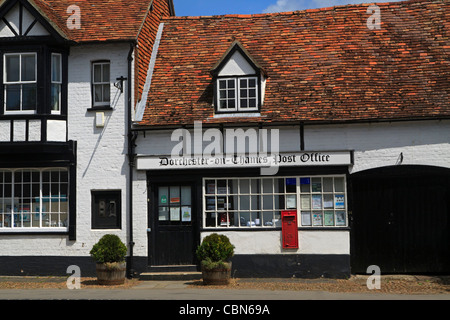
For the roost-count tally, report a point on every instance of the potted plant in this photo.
(109, 254)
(214, 254)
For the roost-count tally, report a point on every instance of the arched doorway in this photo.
(401, 220)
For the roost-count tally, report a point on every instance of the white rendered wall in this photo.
(374, 145)
(379, 145)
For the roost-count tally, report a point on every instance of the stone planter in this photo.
(218, 276)
(112, 273)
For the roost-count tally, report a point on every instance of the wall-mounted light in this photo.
(119, 83)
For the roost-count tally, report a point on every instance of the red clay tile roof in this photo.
(322, 64)
(101, 20)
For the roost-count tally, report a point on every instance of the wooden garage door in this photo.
(400, 220)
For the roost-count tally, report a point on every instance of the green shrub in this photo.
(109, 249)
(215, 248)
(207, 264)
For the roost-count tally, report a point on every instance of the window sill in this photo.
(100, 108)
(35, 231)
(237, 115)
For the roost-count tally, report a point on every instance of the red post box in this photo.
(289, 229)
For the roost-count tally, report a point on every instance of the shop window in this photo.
(33, 198)
(258, 202)
(106, 209)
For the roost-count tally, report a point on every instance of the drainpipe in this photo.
(131, 156)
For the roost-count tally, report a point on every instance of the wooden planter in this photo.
(219, 276)
(111, 273)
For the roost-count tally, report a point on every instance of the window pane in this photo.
(252, 103)
(29, 97)
(12, 97)
(223, 104)
(97, 73)
(56, 68)
(105, 74)
(267, 185)
(106, 93)
(244, 202)
(55, 97)
(163, 214)
(12, 68)
(231, 94)
(186, 196)
(231, 84)
(243, 83)
(244, 186)
(252, 83)
(222, 84)
(268, 202)
(244, 103)
(231, 104)
(28, 67)
(327, 184)
(98, 96)
(174, 195)
(163, 196)
(339, 184)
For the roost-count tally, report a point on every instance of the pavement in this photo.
(183, 300)
(185, 291)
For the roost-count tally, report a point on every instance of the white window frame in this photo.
(102, 83)
(54, 82)
(10, 210)
(262, 212)
(6, 83)
(237, 95)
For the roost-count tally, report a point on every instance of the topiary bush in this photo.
(215, 248)
(109, 249)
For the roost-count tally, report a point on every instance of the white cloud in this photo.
(285, 5)
(292, 5)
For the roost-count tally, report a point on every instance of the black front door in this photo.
(401, 220)
(172, 240)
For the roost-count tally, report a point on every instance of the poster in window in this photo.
(305, 201)
(316, 186)
(186, 214)
(210, 203)
(317, 219)
(339, 200)
(221, 203)
(210, 188)
(306, 218)
(317, 201)
(291, 201)
(340, 218)
(175, 214)
(328, 218)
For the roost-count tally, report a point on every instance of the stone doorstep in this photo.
(176, 273)
(168, 276)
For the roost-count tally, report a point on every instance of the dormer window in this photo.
(238, 94)
(238, 82)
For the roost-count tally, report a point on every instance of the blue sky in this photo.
(216, 7)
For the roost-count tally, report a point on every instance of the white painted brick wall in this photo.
(102, 161)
